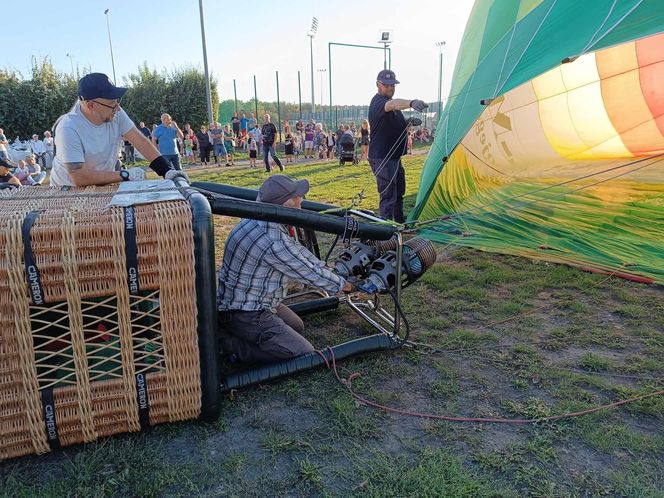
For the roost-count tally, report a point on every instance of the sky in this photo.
(243, 40)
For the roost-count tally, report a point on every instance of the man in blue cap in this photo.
(87, 139)
(388, 144)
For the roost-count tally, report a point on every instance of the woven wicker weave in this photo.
(91, 337)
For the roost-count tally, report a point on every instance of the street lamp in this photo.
(71, 60)
(440, 46)
(322, 73)
(311, 34)
(110, 44)
(208, 93)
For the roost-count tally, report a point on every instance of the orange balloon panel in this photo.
(649, 54)
(603, 107)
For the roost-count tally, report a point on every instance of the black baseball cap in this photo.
(387, 77)
(98, 86)
(277, 189)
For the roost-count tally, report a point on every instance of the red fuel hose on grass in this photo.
(347, 383)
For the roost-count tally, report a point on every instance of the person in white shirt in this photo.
(48, 145)
(23, 174)
(3, 145)
(34, 170)
(87, 137)
(38, 149)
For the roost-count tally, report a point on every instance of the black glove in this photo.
(160, 166)
(414, 122)
(418, 105)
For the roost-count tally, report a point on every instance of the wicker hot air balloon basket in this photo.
(100, 317)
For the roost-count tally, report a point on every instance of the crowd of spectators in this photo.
(26, 161)
(216, 145)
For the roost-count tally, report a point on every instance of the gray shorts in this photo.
(263, 336)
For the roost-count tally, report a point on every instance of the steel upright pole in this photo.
(256, 99)
(278, 107)
(71, 61)
(110, 44)
(299, 93)
(208, 92)
(440, 46)
(311, 51)
(329, 69)
(440, 82)
(235, 94)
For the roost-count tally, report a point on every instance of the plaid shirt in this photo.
(259, 258)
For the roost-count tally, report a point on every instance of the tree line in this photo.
(32, 105)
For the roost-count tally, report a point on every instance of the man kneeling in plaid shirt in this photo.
(259, 258)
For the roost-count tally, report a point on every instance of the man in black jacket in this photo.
(388, 144)
(269, 132)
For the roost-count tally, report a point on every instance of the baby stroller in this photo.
(348, 149)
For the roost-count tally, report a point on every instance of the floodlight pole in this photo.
(299, 93)
(235, 94)
(110, 44)
(311, 34)
(71, 61)
(329, 63)
(385, 47)
(311, 46)
(208, 91)
(440, 46)
(255, 99)
(321, 71)
(278, 107)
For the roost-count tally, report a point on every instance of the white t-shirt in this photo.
(48, 144)
(37, 147)
(77, 140)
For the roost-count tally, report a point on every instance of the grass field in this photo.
(518, 339)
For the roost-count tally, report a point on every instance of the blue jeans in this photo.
(267, 150)
(174, 159)
(219, 150)
(391, 182)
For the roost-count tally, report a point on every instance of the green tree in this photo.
(32, 105)
(180, 93)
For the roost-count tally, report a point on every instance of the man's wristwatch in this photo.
(124, 174)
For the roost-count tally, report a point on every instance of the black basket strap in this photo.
(131, 249)
(143, 400)
(350, 230)
(50, 422)
(31, 270)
